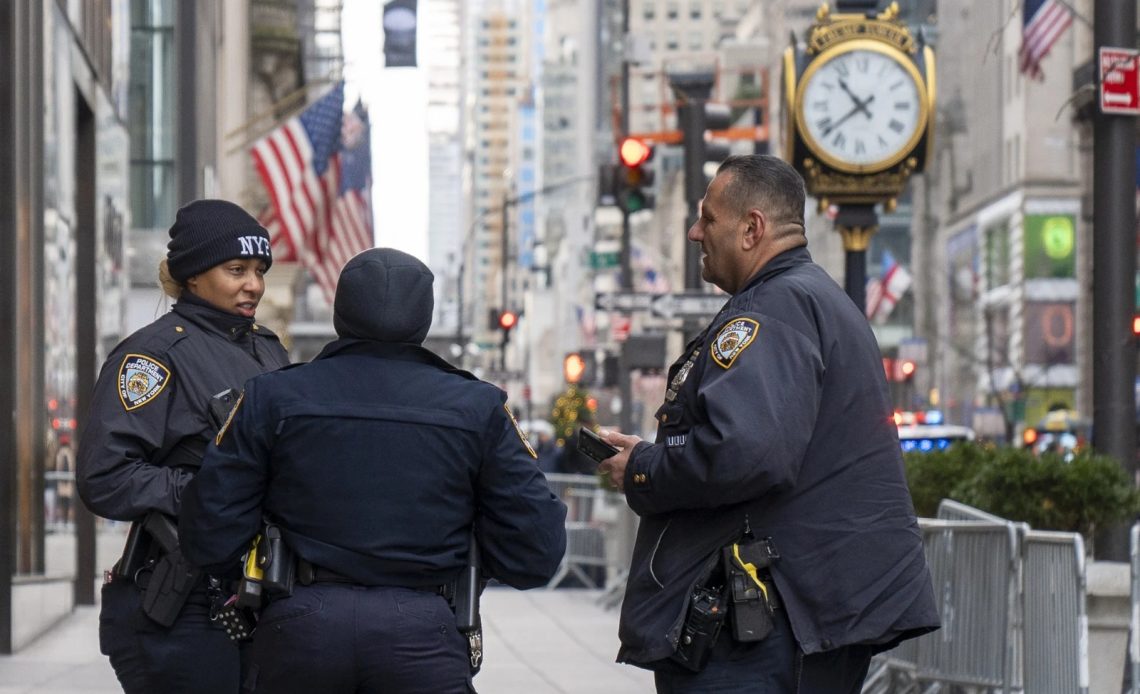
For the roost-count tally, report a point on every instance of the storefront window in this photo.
(152, 99)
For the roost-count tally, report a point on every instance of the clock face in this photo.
(860, 108)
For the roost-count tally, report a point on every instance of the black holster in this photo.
(269, 568)
(751, 592)
(173, 578)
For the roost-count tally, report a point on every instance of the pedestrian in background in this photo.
(374, 460)
(775, 489)
(149, 425)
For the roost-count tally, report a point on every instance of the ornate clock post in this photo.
(858, 118)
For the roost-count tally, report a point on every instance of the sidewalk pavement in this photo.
(536, 642)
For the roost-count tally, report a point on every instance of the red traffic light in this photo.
(907, 368)
(1135, 326)
(634, 152)
(508, 320)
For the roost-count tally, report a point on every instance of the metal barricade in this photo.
(1134, 621)
(974, 565)
(948, 509)
(592, 514)
(1056, 625)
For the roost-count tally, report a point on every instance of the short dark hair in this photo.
(767, 183)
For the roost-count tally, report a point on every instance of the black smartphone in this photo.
(593, 446)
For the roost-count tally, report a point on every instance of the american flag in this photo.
(1043, 23)
(317, 170)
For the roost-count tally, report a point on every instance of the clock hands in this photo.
(859, 104)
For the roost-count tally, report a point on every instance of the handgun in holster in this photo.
(137, 553)
(751, 593)
(173, 579)
(468, 588)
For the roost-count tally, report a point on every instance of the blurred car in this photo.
(925, 431)
(1060, 431)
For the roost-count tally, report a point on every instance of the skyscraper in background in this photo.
(441, 27)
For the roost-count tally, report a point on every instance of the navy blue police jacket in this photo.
(777, 420)
(150, 412)
(375, 459)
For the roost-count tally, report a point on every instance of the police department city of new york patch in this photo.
(141, 379)
(519, 431)
(733, 339)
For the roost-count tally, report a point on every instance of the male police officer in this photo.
(775, 490)
(375, 460)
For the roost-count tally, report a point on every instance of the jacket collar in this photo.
(206, 316)
(401, 351)
(784, 261)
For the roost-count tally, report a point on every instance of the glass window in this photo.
(152, 113)
(672, 42)
(696, 40)
(997, 255)
(649, 10)
(694, 9)
(672, 9)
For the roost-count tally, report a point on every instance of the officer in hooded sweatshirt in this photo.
(375, 460)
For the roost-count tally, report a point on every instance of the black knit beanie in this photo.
(384, 295)
(209, 232)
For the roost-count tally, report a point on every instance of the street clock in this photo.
(858, 107)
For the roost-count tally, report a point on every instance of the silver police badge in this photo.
(733, 339)
(141, 379)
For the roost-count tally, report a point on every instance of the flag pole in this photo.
(272, 112)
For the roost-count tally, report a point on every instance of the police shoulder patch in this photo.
(141, 379)
(226, 425)
(519, 431)
(733, 339)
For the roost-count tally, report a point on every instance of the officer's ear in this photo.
(756, 225)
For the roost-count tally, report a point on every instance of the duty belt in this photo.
(310, 574)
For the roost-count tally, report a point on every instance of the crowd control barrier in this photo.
(1134, 621)
(592, 518)
(1012, 602)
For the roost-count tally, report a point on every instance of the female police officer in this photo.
(149, 425)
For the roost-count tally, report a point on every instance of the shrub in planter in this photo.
(1046, 492)
(933, 475)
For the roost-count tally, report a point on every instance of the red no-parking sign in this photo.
(1119, 81)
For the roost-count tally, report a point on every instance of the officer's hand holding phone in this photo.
(614, 465)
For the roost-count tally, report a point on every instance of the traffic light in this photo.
(507, 321)
(1136, 326)
(580, 368)
(907, 369)
(573, 366)
(634, 175)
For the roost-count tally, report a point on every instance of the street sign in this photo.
(1119, 81)
(688, 305)
(623, 301)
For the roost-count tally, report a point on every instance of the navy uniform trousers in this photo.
(337, 637)
(149, 658)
